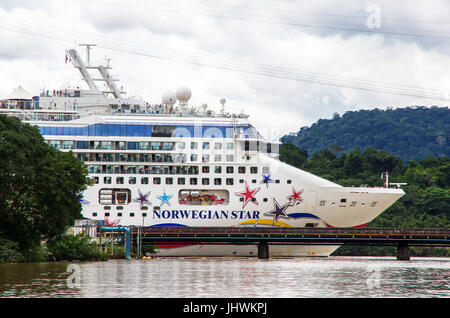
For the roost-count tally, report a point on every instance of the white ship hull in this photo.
(168, 165)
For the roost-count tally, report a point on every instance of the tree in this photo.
(39, 185)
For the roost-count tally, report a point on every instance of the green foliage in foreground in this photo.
(70, 247)
(9, 252)
(39, 191)
(425, 205)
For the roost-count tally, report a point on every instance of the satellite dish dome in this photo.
(169, 98)
(183, 94)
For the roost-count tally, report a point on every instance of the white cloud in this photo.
(307, 36)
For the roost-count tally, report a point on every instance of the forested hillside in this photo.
(411, 133)
(425, 205)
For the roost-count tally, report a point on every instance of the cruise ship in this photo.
(173, 164)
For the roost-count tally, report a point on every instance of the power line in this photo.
(162, 53)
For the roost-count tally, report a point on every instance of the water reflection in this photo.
(232, 277)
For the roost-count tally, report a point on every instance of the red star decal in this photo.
(248, 194)
(295, 196)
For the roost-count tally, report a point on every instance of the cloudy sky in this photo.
(285, 63)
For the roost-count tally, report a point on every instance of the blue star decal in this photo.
(81, 200)
(266, 179)
(143, 198)
(278, 211)
(165, 198)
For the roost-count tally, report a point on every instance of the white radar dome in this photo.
(169, 98)
(183, 94)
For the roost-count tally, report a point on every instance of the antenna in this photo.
(88, 53)
(223, 101)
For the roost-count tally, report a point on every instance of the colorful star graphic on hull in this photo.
(266, 179)
(278, 211)
(248, 194)
(295, 196)
(165, 198)
(111, 223)
(143, 198)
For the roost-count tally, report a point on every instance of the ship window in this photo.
(374, 203)
(106, 213)
(353, 203)
(205, 181)
(253, 169)
(107, 145)
(277, 181)
(83, 144)
(253, 180)
(156, 146)
(205, 169)
(144, 180)
(241, 180)
(131, 214)
(181, 145)
(193, 170)
(230, 158)
(55, 144)
(217, 145)
(68, 144)
(204, 197)
(144, 214)
(168, 145)
(107, 180)
(194, 145)
(322, 203)
(194, 157)
(132, 180)
(217, 169)
(169, 180)
(230, 145)
(131, 169)
(114, 196)
(229, 181)
(163, 130)
(205, 146)
(265, 200)
(181, 181)
(119, 214)
(156, 180)
(343, 200)
(217, 158)
(217, 181)
(289, 181)
(144, 145)
(132, 145)
(119, 207)
(266, 170)
(119, 180)
(230, 169)
(241, 169)
(94, 214)
(121, 145)
(193, 181)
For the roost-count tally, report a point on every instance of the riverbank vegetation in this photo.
(425, 205)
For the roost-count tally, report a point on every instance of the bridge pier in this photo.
(263, 250)
(403, 252)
